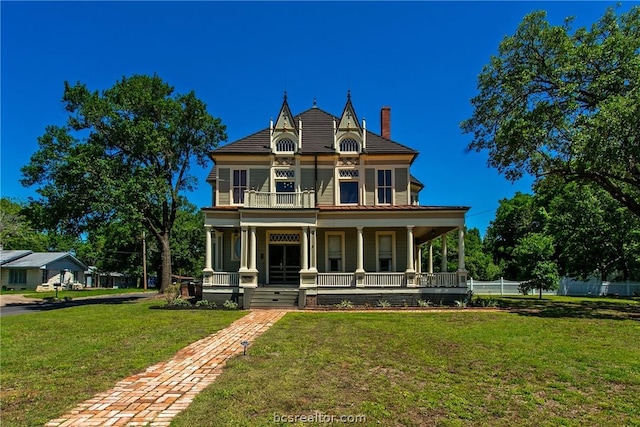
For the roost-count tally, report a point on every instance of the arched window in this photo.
(349, 145)
(285, 145)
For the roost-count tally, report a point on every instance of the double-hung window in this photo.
(335, 252)
(384, 187)
(385, 243)
(349, 186)
(239, 185)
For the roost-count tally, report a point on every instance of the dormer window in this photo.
(349, 145)
(285, 145)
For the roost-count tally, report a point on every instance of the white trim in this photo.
(327, 234)
(393, 249)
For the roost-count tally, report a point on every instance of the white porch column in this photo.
(443, 267)
(305, 248)
(313, 249)
(243, 248)
(218, 252)
(419, 258)
(410, 249)
(207, 260)
(252, 249)
(430, 263)
(461, 249)
(360, 250)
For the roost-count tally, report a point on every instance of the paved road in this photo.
(21, 306)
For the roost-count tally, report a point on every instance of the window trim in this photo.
(352, 140)
(232, 187)
(342, 251)
(390, 186)
(355, 179)
(393, 250)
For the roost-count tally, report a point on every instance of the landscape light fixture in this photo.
(245, 344)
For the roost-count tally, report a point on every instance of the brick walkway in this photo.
(155, 396)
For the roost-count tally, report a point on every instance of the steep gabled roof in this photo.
(317, 138)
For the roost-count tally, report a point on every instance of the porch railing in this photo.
(221, 278)
(437, 279)
(336, 280)
(384, 280)
(293, 200)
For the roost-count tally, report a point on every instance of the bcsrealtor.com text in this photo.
(318, 417)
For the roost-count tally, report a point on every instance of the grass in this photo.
(440, 369)
(51, 361)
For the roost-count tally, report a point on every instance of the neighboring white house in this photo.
(317, 208)
(26, 270)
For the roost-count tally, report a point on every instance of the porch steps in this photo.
(268, 297)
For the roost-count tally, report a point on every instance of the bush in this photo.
(181, 303)
(424, 303)
(204, 304)
(383, 303)
(230, 305)
(344, 304)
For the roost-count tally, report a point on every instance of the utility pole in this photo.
(144, 260)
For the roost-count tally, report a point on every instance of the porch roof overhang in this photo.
(428, 222)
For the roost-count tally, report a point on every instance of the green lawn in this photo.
(51, 361)
(537, 367)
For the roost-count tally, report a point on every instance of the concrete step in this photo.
(270, 298)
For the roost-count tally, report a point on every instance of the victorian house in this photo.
(316, 209)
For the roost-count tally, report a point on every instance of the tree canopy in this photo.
(561, 102)
(124, 155)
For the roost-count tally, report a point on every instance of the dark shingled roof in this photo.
(317, 137)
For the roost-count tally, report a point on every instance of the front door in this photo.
(284, 264)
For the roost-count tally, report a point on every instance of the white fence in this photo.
(596, 287)
(567, 286)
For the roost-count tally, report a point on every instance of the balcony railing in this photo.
(386, 280)
(221, 278)
(292, 200)
(437, 279)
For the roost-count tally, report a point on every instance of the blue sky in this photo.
(420, 58)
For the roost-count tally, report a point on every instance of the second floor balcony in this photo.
(284, 200)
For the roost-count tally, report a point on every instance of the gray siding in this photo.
(401, 186)
(259, 179)
(224, 183)
(227, 263)
(370, 244)
(370, 186)
(261, 257)
(325, 187)
(307, 180)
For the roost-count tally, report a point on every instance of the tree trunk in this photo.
(165, 255)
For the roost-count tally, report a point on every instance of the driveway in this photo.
(11, 304)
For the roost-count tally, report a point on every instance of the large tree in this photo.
(124, 154)
(561, 102)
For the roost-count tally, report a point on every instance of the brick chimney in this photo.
(385, 122)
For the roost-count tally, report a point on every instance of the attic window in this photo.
(349, 144)
(285, 145)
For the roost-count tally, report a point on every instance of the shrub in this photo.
(344, 304)
(230, 305)
(171, 293)
(204, 304)
(383, 303)
(424, 303)
(180, 302)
